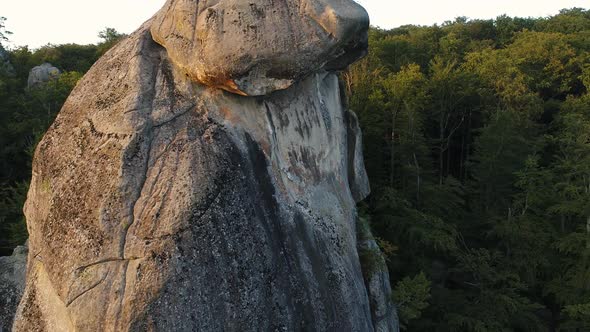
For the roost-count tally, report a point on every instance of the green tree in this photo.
(475, 143)
(411, 296)
(571, 211)
(110, 37)
(406, 96)
(3, 32)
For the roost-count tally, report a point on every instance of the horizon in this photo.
(57, 24)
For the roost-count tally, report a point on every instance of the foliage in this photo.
(411, 297)
(11, 219)
(110, 37)
(477, 145)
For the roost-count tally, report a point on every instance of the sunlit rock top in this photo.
(257, 47)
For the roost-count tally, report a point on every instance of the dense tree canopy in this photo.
(477, 144)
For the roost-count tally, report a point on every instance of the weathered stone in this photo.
(160, 202)
(42, 74)
(6, 67)
(376, 276)
(256, 47)
(12, 284)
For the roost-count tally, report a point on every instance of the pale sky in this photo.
(38, 22)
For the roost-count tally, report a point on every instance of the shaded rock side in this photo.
(376, 276)
(12, 285)
(159, 203)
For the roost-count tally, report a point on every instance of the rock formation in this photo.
(42, 74)
(12, 284)
(203, 176)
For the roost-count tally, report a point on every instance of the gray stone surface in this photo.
(160, 202)
(12, 284)
(42, 74)
(256, 47)
(383, 311)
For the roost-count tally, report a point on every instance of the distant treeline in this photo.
(477, 145)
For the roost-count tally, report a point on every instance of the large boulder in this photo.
(12, 284)
(160, 202)
(256, 47)
(42, 74)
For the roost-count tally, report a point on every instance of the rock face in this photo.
(256, 47)
(376, 276)
(42, 74)
(12, 284)
(160, 202)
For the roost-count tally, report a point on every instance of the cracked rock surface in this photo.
(165, 201)
(12, 284)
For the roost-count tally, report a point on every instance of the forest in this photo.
(476, 139)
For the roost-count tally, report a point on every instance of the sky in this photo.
(38, 22)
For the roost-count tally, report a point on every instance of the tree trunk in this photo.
(462, 155)
(449, 156)
(467, 147)
(441, 150)
(418, 180)
(562, 224)
(392, 151)
(508, 249)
